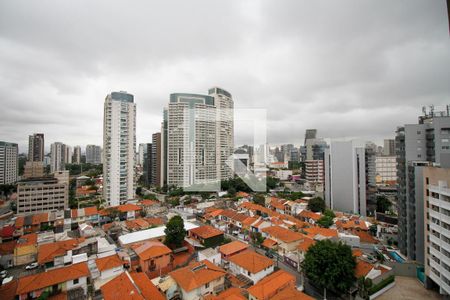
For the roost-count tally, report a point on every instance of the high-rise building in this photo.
(224, 104)
(349, 177)
(436, 187)
(147, 163)
(286, 152)
(315, 171)
(417, 146)
(386, 170)
(119, 146)
(9, 164)
(156, 161)
(310, 134)
(68, 155)
(76, 155)
(36, 147)
(191, 140)
(58, 152)
(389, 147)
(141, 151)
(93, 154)
(43, 194)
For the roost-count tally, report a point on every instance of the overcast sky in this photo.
(348, 68)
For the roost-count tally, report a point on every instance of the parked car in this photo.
(31, 266)
(3, 274)
(269, 254)
(7, 279)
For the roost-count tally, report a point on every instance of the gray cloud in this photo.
(348, 68)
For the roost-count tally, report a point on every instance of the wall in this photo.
(111, 272)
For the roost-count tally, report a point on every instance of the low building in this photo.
(211, 255)
(252, 265)
(155, 258)
(287, 240)
(25, 251)
(271, 285)
(207, 235)
(57, 253)
(54, 282)
(109, 266)
(199, 279)
(232, 248)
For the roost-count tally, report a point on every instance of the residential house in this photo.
(319, 233)
(55, 281)
(7, 254)
(252, 265)
(109, 266)
(309, 216)
(207, 235)
(229, 294)
(26, 249)
(271, 285)
(211, 255)
(155, 258)
(199, 279)
(232, 248)
(134, 286)
(287, 240)
(57, 253)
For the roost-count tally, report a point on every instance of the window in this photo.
(207, 285)
(419, 132)
(75, 281)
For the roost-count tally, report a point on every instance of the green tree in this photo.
(329, 213)
(325, 221)
(139, 191)
(175, 232)
(316, 204)
(150, 196)
(231, 192)
(364, 284)
(383, 204)
(330, 266)
(272, 182)
(259, 199)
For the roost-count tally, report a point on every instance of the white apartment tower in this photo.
(93, 154)
(119, 146)
(8, 162)
(58, 152)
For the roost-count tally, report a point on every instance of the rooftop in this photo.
(206, 231)
(251, 261)
(196, 275)
(151, 249)
(283, 234)
(233, 247)
(108, 262)
(271, 284)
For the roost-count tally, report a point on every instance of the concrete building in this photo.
(315, 171)
(76, 159)
(9, 166)
(389, 147)
(156, 161)
(417, 146)
(36, 147)
(119, 146)
(141, 151)
(436, 187)
(386, 169)
(197, 139)
(43, 194)
(349, 177)
(33, 169)
(58, 154)
(93, 154)
(146, 162)
(68, 155)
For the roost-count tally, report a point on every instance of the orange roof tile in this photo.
(249, 221)
(121, 287)
(151, 249)
(148, 202)
(39, 281)
(309, 215)
(147, 288)
(283, 234)
(357, 252)
(128, 207)
(271, 284)
(90, 211)
(229, 294)
(39, 218)
(27, 239)
(290, 293)
(206, 231)
(326, 232)
(362, 268)
(8, 290)
(305, 244)
(268, 243)
(353, 223)
(251, 261)
(233, 247)
(48, 252)
(365, 237)
(196, 275)
(108, 262)
(19, 222)
(242, 194)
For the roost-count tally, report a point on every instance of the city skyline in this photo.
(379, 79)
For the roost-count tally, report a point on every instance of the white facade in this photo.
(58, 154)
(207, 289)
(140, 159)
(93, 154)
(255, 277)
(76, 155)
(386, 168)
(8, 163)
(315, 170)
(283, 174)
(119, 144)
(210, 254)
(345, 177)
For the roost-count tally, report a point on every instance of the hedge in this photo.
(381, 285)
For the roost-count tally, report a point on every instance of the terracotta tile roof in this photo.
(251, 261)
(242, 194)
(90, 211)
(326, 232)
(148, 290)
(128, 207)
(206, 231)
(39, 218)
(7, 247)
(55, 276)
(271, 284)
(108, 262)
(305, 244)
(121, 287)
(48, 252)
(148, 202)
(232, 293)
(353, 223)
(309, 215)
(233, 247)
(362, 268)
(283, 234)
(151, 249)
(277, 203)
(365, 237)
(268, 243)
(357, 252)
(249, 221)
(8, 290)
(19, 222)
(60, 296)
(27, 239)
(290, 293)
(196, 275)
